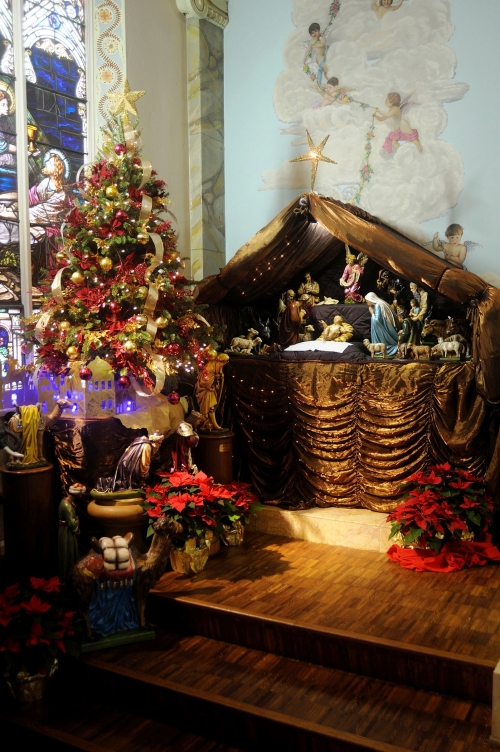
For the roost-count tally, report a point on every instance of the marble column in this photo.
(205, 70)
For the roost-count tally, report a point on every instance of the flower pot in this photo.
(233, 534)
(26, 688)
(213, 542)
(190, 558)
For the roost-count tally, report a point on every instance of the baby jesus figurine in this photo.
(338, 331)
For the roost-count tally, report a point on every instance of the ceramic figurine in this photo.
(112, 581)
(375, 347)
(383, 323)
(29, 423)
(245, 345)
(184, 440)
(448, 348)
(291, 321)
(10, 443)
(419, 352)
(338, 331)
(69, 530)
(350, 279)
(209, 387)
(308, 292)
(133, 466)
(421, 298)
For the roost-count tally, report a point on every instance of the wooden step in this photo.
(420, 667)
(244, 697)
(64, 720)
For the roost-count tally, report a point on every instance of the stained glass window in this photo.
(56, 136)
(10, 289)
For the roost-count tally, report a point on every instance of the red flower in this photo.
(10, 645)
(49, 586)
(178, 502)
(66, 620)
(460, 484)
(157, 511)
(444, 468)
(35, 605)
(36, 636)
(200, 477)
(180, 479)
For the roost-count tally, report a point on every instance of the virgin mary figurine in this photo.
(383, 324)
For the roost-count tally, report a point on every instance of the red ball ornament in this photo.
(173, 348)
(115, 306)
(121, 215)
(85, 373)
(174, 398)
(120, 149)
(173, 276)
(123, 382)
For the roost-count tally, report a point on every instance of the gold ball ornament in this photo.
(141, 319)
(61, 256)
(141, 292)
(142, 238)
(63, 326)
(112, 191)
(129, 346)
(78, 278)
(72, 352)
(162, 322)
(106, 264)
(210, 354)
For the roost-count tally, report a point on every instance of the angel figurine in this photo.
(453, 250)
(401, 128)
(351, 276)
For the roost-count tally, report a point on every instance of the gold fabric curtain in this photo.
(348, 434)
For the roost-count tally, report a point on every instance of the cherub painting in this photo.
(401, 128)
(453, 250)
(317, 52)
(332, 93)
(381, 7)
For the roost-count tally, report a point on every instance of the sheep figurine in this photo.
(375, 347)
(245, 345)
(445, 348)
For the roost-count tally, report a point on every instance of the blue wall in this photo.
(254, 41)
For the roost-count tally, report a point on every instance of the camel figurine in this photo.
(96, 566)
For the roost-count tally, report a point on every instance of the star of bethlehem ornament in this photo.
(314, 155)
(124, 100)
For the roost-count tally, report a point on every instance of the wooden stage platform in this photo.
(286, 644)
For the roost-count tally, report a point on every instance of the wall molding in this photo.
(204, 9)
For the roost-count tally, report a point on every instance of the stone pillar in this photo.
(205, 25)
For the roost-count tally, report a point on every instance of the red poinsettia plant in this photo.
(198, 503)
(35, 627)
(443, 504)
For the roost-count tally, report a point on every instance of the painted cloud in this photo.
(405, 52)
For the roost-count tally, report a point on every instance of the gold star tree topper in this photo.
(124, 100)
(314, 155)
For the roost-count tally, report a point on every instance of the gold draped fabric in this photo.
(314, 229)
(348, 434)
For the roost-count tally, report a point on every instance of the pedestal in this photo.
(31, 522)
(214, 455)
(119, 518)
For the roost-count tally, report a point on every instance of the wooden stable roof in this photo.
(313, 229)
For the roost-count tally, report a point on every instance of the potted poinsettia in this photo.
(35, 629)
(202, 507)
(443, 504)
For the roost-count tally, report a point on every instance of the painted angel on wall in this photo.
(453, 249)
(401, 128)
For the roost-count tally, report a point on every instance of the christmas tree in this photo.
(119, 292)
